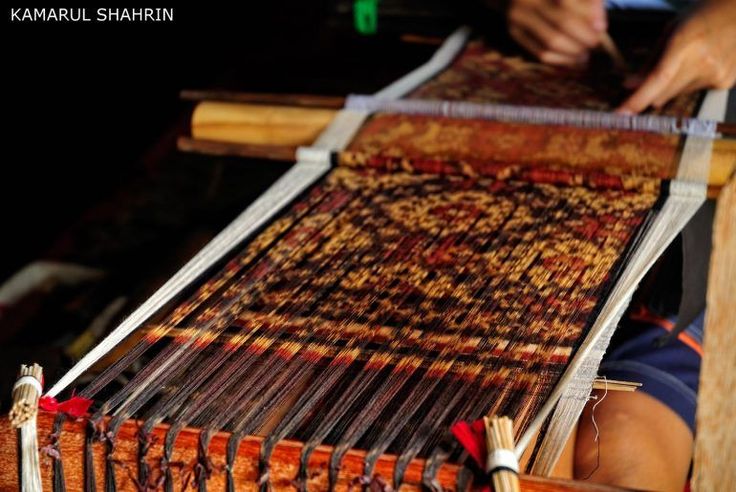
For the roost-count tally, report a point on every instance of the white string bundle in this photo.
(536, 115)
(26, 393)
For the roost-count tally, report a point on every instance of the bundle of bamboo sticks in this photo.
(26, 393)
(501, 462)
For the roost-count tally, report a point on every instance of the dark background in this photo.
(85, 101)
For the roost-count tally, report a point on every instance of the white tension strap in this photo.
(28, 381)
(502, 459)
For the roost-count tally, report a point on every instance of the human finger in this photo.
(550, 37)
(678, 84)
(654, 85)
(574, 27)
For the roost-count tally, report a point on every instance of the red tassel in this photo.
(75, 407)
(473, 438)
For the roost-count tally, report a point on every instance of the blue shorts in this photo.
(669, 373)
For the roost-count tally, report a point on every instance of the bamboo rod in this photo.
(26, 393)
(501, 462)
(609, 46)
(258, 124)
(615, 385)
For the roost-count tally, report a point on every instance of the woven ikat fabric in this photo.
(485, 280)
(484, 75)
(444, 270)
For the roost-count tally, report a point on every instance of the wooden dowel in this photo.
(421, 39)
(259, 124)
(726, 130)
(615, 385)
(283, 153)
(299, 100)
(274, 132)
(609, 46)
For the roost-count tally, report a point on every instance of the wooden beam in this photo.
(283, 463)
(716, 437)
(282, 153)
(268, 98)
(275, 131)
(258, 124)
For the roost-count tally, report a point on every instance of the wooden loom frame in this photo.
(312, 164)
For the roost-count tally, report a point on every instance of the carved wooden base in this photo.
(284, 464)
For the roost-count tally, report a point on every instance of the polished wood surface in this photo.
(258, 124)
(300, 100)
(283, 471)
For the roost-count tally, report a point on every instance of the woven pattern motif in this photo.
(481, 147)
(487, 281)
(421, 259)
(484, 75)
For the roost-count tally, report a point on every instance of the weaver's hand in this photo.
(558, 32)
(700, 54)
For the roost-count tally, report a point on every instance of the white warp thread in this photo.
(536, 115)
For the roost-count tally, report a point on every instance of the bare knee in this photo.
(641, 444)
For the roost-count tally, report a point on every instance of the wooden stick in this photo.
(421, 39)
(615, 385)
(283, 153)
(259, 124)
(609, 46)
(300, 100)
(726, 130)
